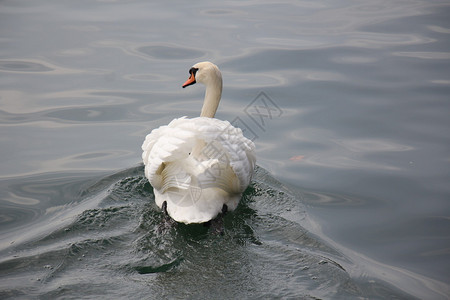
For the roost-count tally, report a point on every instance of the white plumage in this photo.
(198, 165)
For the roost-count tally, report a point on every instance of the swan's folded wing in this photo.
(218, 174)
(174, 176)
(162, 146)
(228, 155)
(241, 154)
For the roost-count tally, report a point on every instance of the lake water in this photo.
(348, 103)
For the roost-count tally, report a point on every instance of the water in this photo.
(347, 103)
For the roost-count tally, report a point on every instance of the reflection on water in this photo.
(22, 66)
(362, 88)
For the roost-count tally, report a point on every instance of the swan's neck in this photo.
(212, 97)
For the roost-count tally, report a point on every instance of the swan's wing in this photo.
(163, 146)
(235, 152)
(241, 154)
(226, 160)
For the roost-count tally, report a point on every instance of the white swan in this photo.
(199, 167)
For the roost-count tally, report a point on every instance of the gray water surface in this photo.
(347, 103)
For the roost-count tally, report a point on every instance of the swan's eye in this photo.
(193, 71)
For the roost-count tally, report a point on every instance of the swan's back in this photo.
(198, 165)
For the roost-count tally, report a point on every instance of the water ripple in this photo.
(424, 55)
(167, 52)
(372, 145)
(154, 52)
(23, 66)
(33, 66)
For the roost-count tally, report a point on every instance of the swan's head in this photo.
(204, 72)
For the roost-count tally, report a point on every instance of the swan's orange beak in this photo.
(190, 81)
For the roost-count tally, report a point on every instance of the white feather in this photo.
(196, 188)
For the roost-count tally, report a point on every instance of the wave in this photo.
(102, 236)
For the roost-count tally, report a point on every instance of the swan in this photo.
(199, 167)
